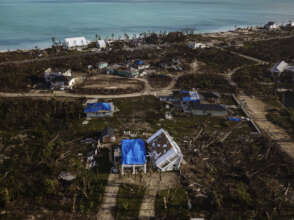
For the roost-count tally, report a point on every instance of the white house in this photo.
(290, 24)
(164, 152)
(101, 44)
(280, 67)
(75, 42)
(271, 26)
(194, 45)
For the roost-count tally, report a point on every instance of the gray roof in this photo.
(208, 107)
(107, 132)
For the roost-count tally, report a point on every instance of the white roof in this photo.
(172, 152)
(280, 67)
(66, 176)
(101, 43)
(76, 42)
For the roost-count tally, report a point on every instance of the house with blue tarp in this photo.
(99, 109)
(190, 96)
(133, 154)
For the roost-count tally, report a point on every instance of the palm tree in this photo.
(53, 39)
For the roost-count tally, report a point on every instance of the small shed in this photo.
(133, 154)
(107, 135)
(195, 45)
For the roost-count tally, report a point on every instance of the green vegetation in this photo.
(172, 204)
(129, 201)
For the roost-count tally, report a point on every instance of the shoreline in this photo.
(222, 30)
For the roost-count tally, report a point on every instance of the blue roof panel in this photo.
(133, 152)
(97, 107)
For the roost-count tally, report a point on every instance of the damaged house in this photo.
(281, 69)
(61, 79)
(164, 152)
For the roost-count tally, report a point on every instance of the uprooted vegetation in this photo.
(255, 80)
(172, 204)
(227, 172)
(159, 80)
(270, 50)
(38, 140)
(239, 177)
(212, 82)
(19, 55)
(216, 60)
(129, 201)
(284, 117)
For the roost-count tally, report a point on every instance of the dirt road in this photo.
(106, 211)
(257, 110)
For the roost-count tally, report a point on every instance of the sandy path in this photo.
(106, 211)
(257, 110)
(147, 209)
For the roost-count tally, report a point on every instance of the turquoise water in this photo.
(29, 23)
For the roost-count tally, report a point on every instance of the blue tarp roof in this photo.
(98, 106)
(234, 119)
(139, 62)
(133, 151)
(190, 99)
(193, 96)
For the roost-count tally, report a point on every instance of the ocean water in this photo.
(29, 23)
